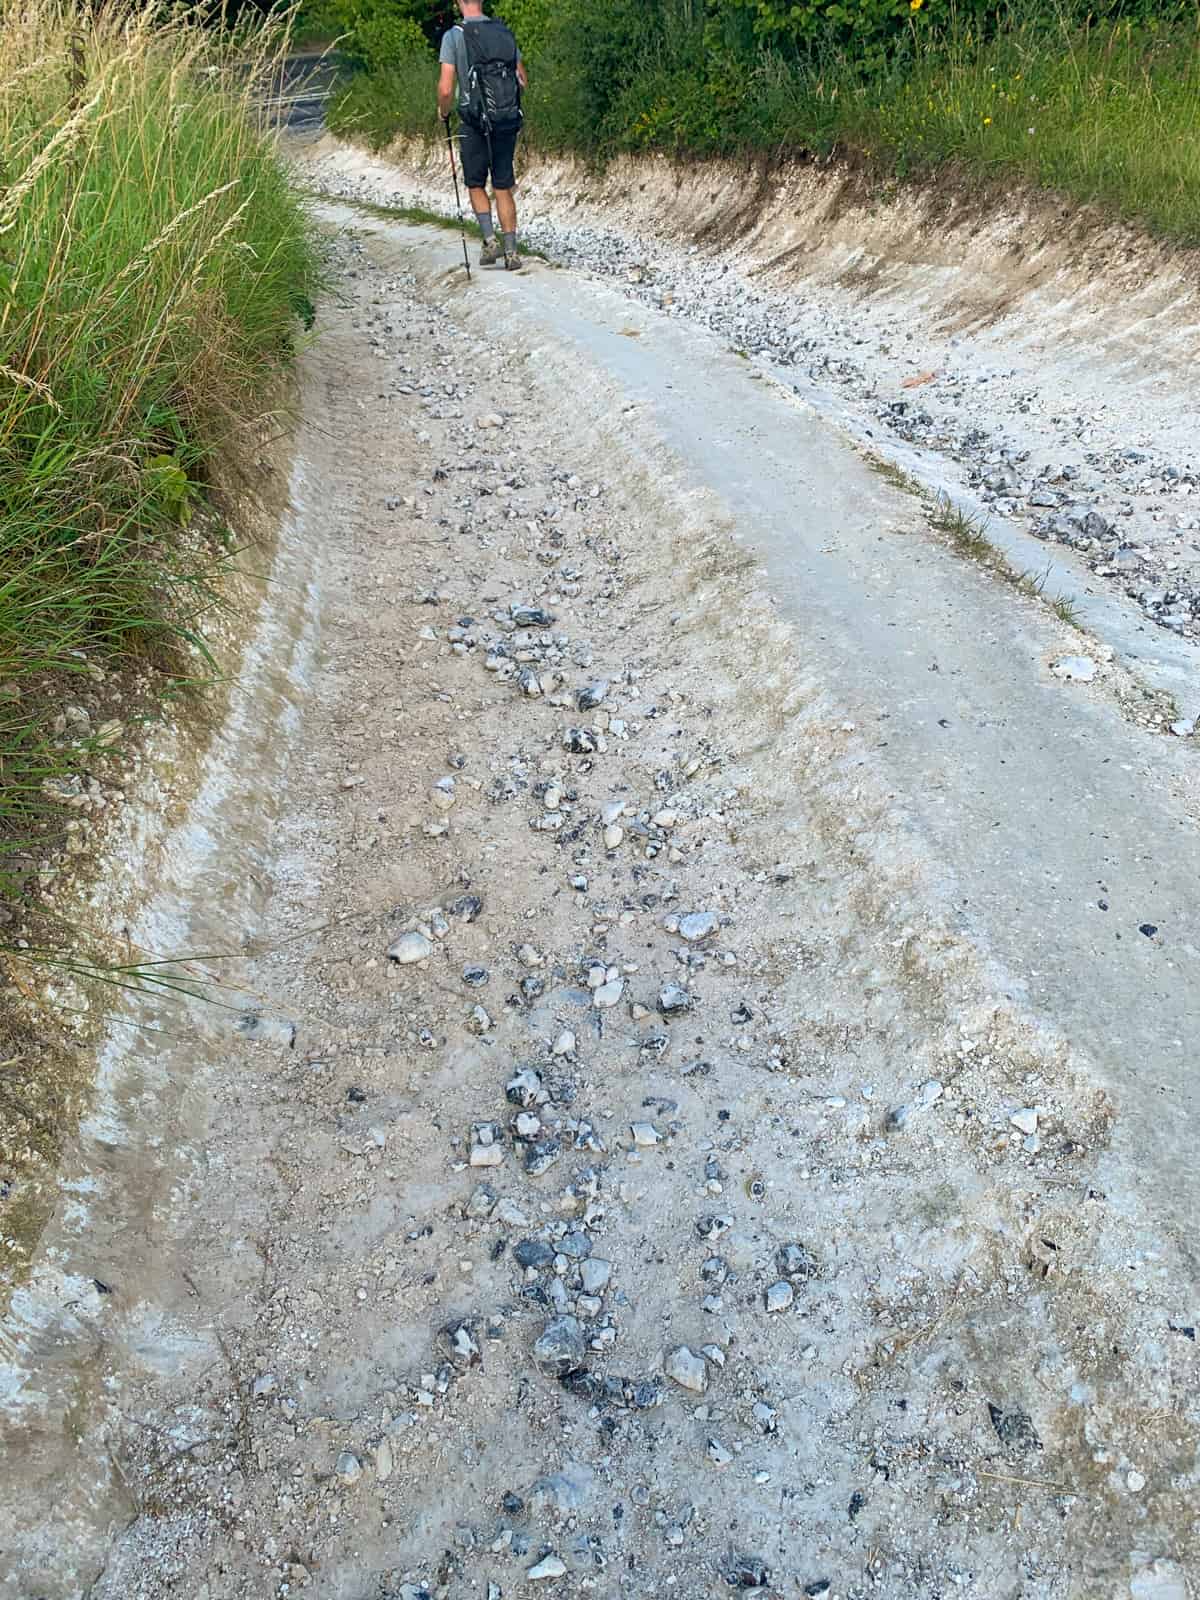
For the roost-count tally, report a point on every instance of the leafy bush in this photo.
(533, 21)
(379, 33)
(1106, 111)
(377, 106)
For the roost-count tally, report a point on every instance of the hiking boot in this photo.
(512, 261)
(491, 253)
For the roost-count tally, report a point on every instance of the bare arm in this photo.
(522, 75)
(446, 82)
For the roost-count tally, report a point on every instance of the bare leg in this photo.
(480, 202)
(506, 208)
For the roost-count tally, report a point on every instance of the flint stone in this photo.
(461, 1345)
(746, 1572)
(697, 926)
(541, 1157)
(779, 1296)
(608, 994)
(551, 1566)
(533, 1253)
(594, 1275)
(588, 699)
(794, 1261)
(1014, 1427)
(409, 948)
(481, 1204)
(687, 1369)
(673, 1000)
(561, 1347)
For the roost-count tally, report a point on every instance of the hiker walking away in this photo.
(480, 55)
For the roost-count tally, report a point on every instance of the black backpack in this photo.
(493, 100)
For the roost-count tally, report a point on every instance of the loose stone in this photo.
(540, 1157)
(588, 699)
(795, 1261)
(560, 1348)
(779, 1296)
(409, 948)
(746, 1572)
(533, 1253)
(548, 1567)
(608, 994)
(687, 1369)
(595, 1275)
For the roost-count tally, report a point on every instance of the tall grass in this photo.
(153, 264)
(1107, 113)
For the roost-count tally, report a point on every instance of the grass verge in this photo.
(155, 262)
(155, 267)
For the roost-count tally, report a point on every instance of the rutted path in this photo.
(661, 1191)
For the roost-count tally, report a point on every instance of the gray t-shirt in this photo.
(454, 54)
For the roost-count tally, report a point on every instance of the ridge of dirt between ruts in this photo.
(1037, 373)
(921, 1350)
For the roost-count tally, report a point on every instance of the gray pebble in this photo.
(795, 1261)
(588, 699)
(595, 1275)
(779, 1296)
(550, 1566)
(561, 1347)
(540, 1157)
(409, 948)
(687, 1369)
(673, 1000)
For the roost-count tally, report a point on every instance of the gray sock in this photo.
(510, 244)
(486, 226)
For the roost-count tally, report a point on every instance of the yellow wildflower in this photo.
(915, 5)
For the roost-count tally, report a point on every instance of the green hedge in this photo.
(1101, 101)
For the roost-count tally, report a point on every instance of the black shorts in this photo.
(478, 160)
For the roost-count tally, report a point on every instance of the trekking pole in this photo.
(458, 200)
